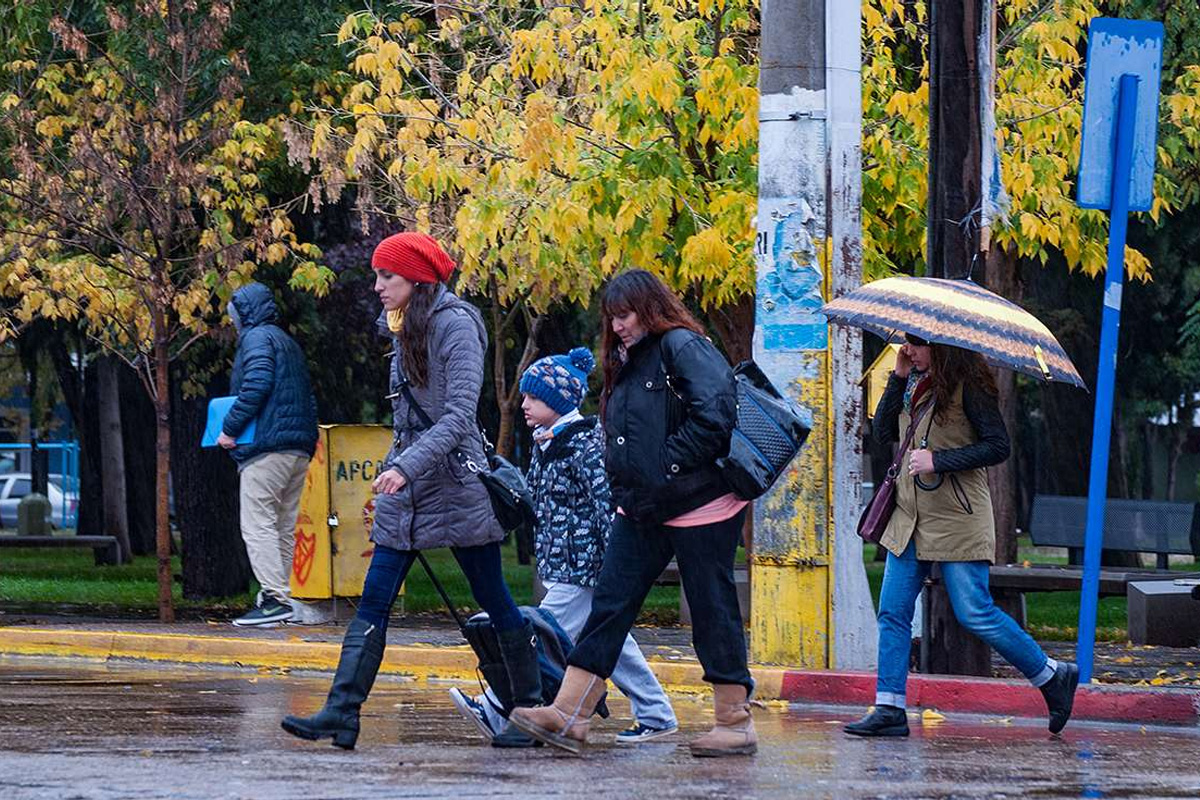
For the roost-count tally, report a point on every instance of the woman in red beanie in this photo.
(426, 495)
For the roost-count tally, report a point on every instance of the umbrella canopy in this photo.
(960, 313)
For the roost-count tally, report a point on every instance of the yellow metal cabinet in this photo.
(876, 377)
(337, 508)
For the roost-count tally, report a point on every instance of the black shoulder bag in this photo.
(770, 431)
(512, 502)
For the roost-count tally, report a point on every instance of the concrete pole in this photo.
(810, 604)
(855, 635)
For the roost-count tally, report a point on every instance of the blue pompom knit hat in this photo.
(559, 381)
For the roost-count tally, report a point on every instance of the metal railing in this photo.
(68, 453)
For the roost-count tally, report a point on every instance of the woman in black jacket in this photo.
(668, 406)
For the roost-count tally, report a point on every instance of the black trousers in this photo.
(635, 557)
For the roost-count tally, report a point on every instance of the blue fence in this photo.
(68, 466)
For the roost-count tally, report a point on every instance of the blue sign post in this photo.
(1116, 172)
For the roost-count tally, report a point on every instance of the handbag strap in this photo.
(894, 469)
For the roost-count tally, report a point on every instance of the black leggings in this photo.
(635, 557)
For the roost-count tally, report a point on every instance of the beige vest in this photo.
(947, 523)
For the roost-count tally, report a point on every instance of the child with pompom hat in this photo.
(574, 515)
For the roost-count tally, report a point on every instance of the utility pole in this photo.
(811, 605)
(961, 207)
(955, 137)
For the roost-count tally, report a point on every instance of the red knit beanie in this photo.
(412, 255)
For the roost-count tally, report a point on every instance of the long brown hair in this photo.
(414, 332)
(951, 366)
(658, 311)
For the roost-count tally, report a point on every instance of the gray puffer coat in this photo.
(442, 503)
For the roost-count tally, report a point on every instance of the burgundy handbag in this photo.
(874, 519)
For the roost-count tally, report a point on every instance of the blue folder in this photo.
(218, 407)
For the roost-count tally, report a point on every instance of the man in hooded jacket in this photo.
(270, 379)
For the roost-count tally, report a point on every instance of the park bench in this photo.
(106, 546)
(1141, 526)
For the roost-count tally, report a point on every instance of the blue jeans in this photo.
(966, 583)
(480, 565)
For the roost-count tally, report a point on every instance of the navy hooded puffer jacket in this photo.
(270, 379)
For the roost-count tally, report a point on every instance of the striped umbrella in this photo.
(960, 313)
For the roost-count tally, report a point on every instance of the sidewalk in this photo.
(427, 648)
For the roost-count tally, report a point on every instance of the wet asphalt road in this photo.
(74, 730)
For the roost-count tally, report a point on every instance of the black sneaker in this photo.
(638, 733)
(883, 721)
(269, 611)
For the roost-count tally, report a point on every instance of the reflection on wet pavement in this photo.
(72, 729)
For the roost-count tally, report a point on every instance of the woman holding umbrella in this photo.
(943, 515)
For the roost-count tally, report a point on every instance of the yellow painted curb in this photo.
(415, 661)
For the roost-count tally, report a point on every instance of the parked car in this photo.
(16, 485)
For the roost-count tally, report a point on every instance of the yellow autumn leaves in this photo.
(551, 147)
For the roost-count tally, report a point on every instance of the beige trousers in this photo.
(270, 488)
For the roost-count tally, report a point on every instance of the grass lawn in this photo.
(50, 576)
(32, 577)
(45, 576)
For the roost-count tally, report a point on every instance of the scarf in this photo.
(543, 435)
(914, 388)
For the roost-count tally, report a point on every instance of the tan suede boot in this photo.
(565, 723)
(733, 735)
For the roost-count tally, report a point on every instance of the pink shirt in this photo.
(724, 507)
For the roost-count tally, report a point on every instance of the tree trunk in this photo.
(1178, 440)
(162, 452)
(955, 143)
(205, 483)
(1147, 459)
(952, 650)
(1121, 436)
(955, 148)
(77, 379)
(734, 324)
(508, 395)
(138, 439)
(1003, 279)
(112, 456)
(505, 432)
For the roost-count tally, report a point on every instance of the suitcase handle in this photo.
(462, 626)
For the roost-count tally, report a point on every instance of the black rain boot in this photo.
(518, 648)
(883, 721)
(1059, 692)
(362, 652)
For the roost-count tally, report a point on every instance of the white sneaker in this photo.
(472, 710)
